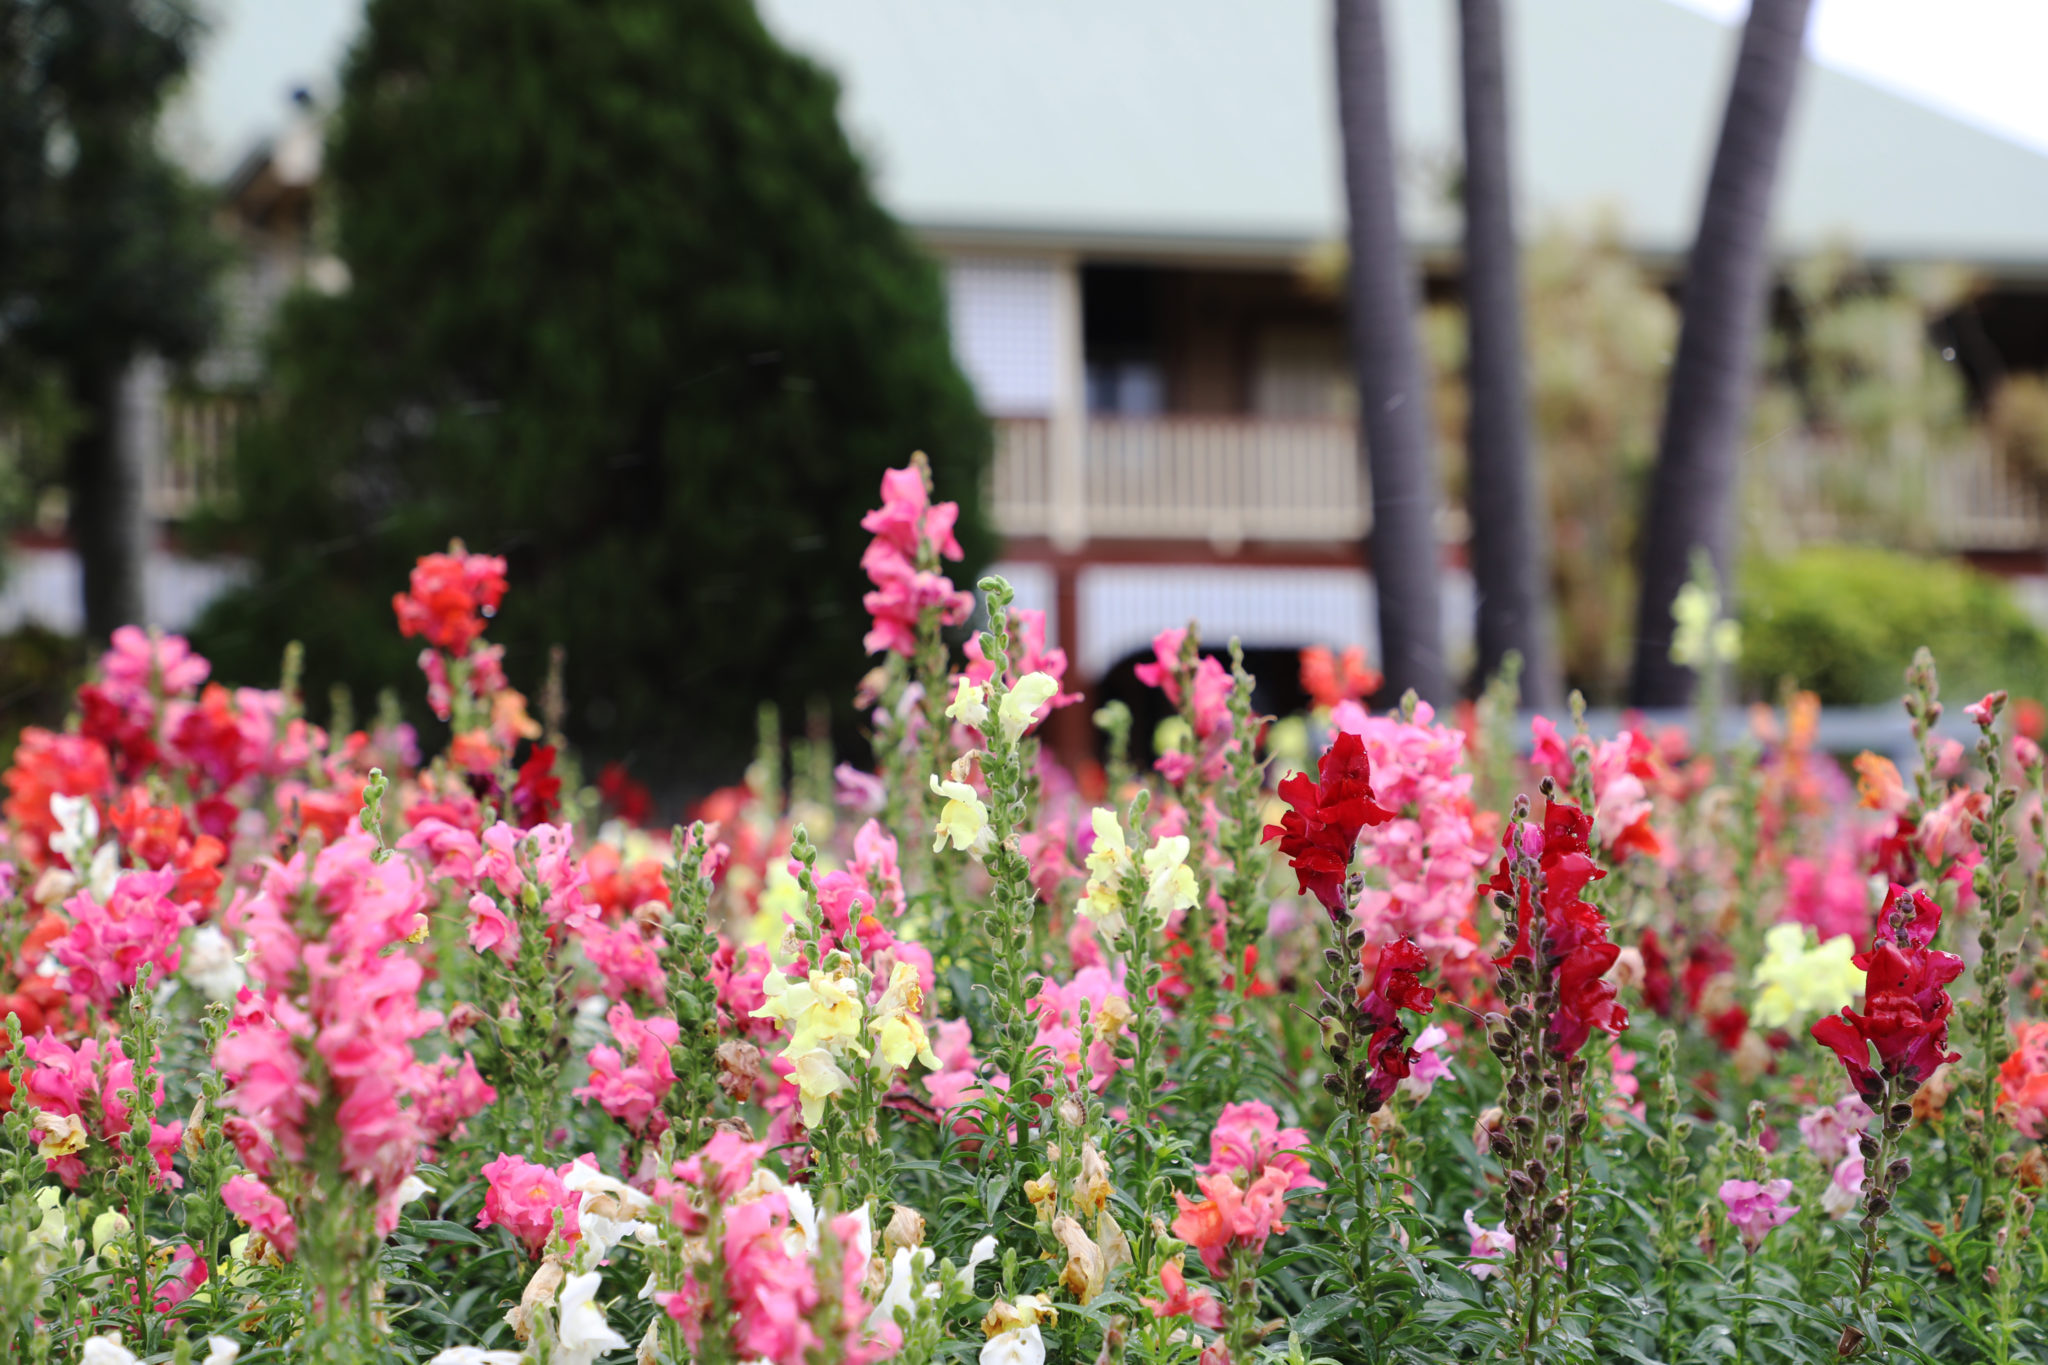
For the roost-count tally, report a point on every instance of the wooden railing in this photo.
(1966, 496)
(1221, 479)
(1227, 480)
(197, 464)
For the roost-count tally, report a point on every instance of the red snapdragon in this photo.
(1320, 833)
(1905, 1004)
(1572, 933)
(448, 598)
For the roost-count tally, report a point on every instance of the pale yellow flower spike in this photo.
(1108, 862)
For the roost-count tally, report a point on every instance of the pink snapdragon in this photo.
(1248, 1139)
(1755, 1208)
(447, 1094)
(252, 1201)
(773, 1292)
(1845, 1187)
(1489, 1246)
(875, 862)
(912, 534)
(1430, 854)
(525, 1199)
(625, 959)
(630, 1081)
(108, 944)
(63, 1082)
(1207, 690)
(1059, 1022)
(1831, 1130)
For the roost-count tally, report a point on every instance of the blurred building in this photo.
(1138, 206)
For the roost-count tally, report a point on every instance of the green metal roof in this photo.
(1191, 125)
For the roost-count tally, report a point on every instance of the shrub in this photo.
(1840, 619)
(623, 310)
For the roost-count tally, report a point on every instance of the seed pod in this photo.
(2006, 1166)
(1898, 1171)
(1552, 1101)
(1850, 1343)
(1577, 1123)
(1502, 1044)
(1333, 1083)
(1553, 1212)
(1867, 1145)
(1880, 1204)
(1538, 1172)
(1525, 1124)
(1522, 1017)
(1901, 1114)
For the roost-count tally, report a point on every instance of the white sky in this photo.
(1979, 60)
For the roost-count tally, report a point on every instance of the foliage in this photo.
(623, 309)
(322, 1047)
(1837, 619)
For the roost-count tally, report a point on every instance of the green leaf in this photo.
(1321, 1313)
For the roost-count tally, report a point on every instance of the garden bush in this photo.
(1838, 619)
(327, 1048)
(621, 308)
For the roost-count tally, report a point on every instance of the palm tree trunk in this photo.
(107, 479)
(1386, 357)
(1507, 519)
(1692, 495)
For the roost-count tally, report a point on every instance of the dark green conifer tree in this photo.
(623, 308)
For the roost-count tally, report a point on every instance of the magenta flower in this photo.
(524, 1198)
(108, 944)
(630, 1081)
(252, 1201)
(1248, 1139)
(1756, 1208)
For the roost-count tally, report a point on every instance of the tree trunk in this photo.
(1692, 494)
(107, 472)
(1393, 398)
(1508, 520)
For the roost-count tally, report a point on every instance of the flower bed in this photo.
(1346, 1037)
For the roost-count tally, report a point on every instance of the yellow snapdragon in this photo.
(963, 820)
(1798, 980)
(970, 705)
(1109, 861)
(822, 1011)
(1169, 881)
(899, 1033)
(1019, 709)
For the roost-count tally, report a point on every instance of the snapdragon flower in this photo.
(963, 820)
(1798, 980)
